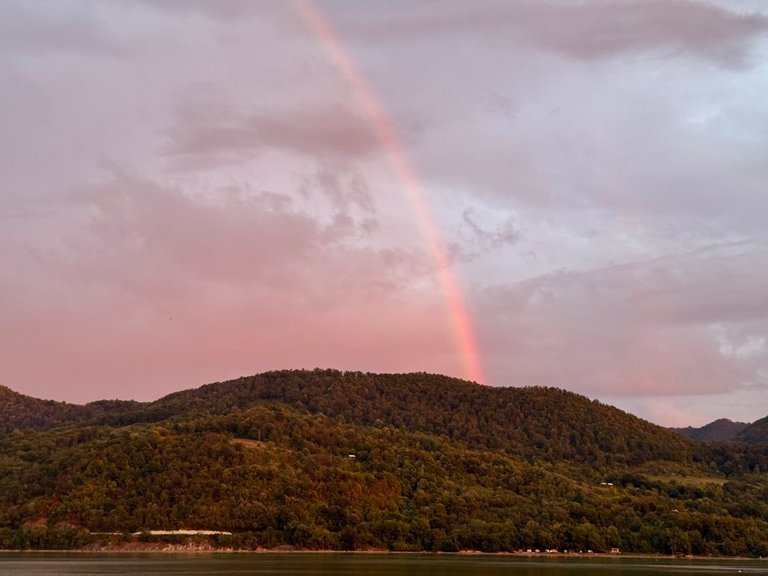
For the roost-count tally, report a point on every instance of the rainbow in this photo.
(396, 154)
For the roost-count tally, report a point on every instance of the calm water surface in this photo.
(44, 564)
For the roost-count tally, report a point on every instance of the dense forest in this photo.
(346, 460)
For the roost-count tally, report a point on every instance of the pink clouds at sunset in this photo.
(193, 191)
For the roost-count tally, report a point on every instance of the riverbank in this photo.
(207, 548)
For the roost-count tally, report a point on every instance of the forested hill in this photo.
(18, 411)
(544, 422)
(755, 433)
(325, 459)
(724, 430)
(717, 431)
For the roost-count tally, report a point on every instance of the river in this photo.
(327, 564)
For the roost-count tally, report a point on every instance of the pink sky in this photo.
(194, 191)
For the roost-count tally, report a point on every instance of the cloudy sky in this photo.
(561, 193)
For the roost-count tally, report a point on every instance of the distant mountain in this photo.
(719, 430)
(755, 433)
(351, 460)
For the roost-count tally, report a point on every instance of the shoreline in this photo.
(160, 549)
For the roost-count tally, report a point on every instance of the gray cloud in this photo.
(482, 237)
(231, 10)
(344, 191)
(594, 28)
(695, 323)
(333, 132)
(600, 29)
(53, 29)
(580, 160)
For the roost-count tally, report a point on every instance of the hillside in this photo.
(545, 422)
(724, 430)
(755, 433)
(325, 459)
(718, 431)
(18, 411)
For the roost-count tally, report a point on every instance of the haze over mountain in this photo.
(352, 460)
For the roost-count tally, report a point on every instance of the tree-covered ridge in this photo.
(274, 474)
(18, 411)
(720, 430)
(326, 459)
(543, 422)
(724, 430)
(755, 433)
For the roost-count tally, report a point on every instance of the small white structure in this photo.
(182, 533)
